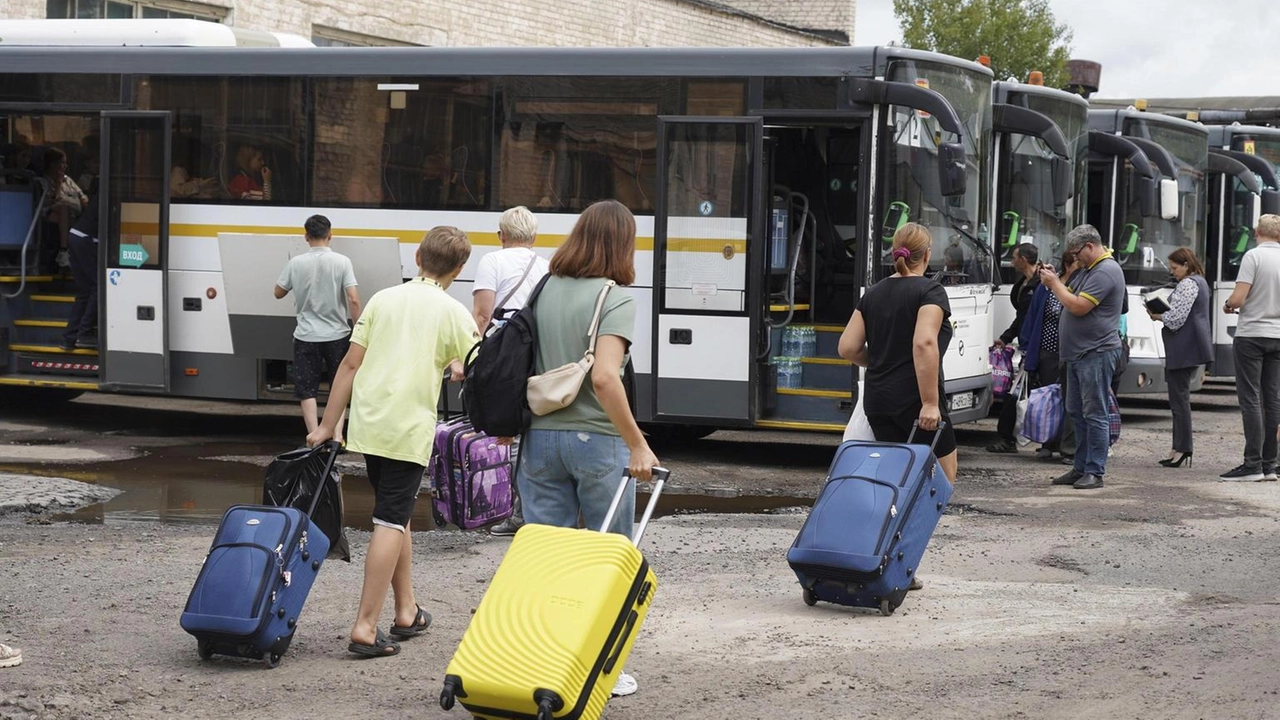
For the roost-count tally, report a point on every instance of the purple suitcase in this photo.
(471, 477)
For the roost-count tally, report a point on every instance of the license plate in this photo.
(963, 401)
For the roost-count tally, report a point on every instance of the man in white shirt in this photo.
(325, 295)
(1257, 351)
(504, 281)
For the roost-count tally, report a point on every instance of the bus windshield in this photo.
(1237, 232)
(911, 173)
(1026, 184)
(1144, 243)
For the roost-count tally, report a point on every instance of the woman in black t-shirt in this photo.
(899, 333)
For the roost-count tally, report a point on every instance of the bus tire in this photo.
(673, 434)
(22, 398)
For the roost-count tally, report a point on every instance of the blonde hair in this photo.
(518, 226)
(444, 249)
(910, 244)
(1269, 227)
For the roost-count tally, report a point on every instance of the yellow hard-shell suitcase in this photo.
(557, 623)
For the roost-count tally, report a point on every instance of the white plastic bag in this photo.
(858, 427)
(1020, 394)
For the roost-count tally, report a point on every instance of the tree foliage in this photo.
(1018, 35)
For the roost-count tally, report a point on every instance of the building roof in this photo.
(832, 19)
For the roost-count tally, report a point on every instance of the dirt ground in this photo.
(1155, 597)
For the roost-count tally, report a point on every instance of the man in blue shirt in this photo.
(1090, 344)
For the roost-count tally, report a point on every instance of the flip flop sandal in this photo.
(381, 647)
(421, 622)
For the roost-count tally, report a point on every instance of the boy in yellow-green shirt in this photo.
(404, 340)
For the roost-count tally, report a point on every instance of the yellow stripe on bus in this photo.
(413, 237)
(796, 425)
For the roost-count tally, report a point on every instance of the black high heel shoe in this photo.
(1171, 463)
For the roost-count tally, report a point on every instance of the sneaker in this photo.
(12, 657)
(1004, 446)
(68, 344)
(1269, 474)
(506, 528)
(1242, 473)
(64, 260)
(87, 342)
(626, 685)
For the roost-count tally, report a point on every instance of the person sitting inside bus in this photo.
(64, 202)
(17, 156)
(253, 177)
(181, 184)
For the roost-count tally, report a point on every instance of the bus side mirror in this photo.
(1061, 177)
(952, 179)
(1270, 202)
(1255, 210)
(1169, 199)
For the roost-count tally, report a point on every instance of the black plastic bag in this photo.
(292, 480)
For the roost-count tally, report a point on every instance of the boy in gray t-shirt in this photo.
(325, 295)
(1257, 353)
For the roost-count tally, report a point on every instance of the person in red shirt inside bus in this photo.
(253, 177)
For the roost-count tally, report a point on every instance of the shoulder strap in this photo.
(519, 283)
(595, 317)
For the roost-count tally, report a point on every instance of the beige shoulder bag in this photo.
(557, 389)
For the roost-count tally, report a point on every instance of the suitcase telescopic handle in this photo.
(937, 434)
(660, 476)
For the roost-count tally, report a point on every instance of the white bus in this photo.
(1041, 144)
(1147, 189)
(1234, 207)
(718, 152)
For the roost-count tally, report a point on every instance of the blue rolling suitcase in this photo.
(869, 528)
(255, 579)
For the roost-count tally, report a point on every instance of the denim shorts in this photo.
(566, 473)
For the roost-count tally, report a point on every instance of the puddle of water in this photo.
(176, 485)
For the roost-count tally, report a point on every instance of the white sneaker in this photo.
(12, 657)
(1269, 474)
(64, 260)
(626, 685)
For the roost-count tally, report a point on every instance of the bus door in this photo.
(707, 245)
(133, 250)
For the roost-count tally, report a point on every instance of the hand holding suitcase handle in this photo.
(937, 434)
(660, 476)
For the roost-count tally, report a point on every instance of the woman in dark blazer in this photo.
(1188, 345)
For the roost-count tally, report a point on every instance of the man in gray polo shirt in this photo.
(1089, 342)
(325, 295)
(1257, 350)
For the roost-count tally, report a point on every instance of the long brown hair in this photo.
(601, 244)
(1187, 256)
(916, 240)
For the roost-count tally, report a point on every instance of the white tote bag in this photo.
(1020, 393)
(858, 427)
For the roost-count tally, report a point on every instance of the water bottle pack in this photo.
(789, 373)
(799, 341)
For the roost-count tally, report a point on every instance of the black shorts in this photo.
(897, 429)
(316, 362)
(395, 489)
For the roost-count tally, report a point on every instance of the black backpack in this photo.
(497, 373)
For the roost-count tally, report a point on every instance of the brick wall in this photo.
(518, 22)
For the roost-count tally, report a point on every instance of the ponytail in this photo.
(910, 244)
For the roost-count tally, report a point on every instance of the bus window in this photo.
(786, 93)
(424, 145)
(59, 88)
(716, 97)
(568, 142)
(245, 134)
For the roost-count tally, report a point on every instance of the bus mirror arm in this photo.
(1109, 145)
(952, 175)
(1020, 120)
(1255, 163)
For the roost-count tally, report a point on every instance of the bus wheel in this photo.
(34, 398)
(665, 434)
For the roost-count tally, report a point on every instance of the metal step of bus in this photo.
(820, 373)
(50, 364)
(828, 337)
(47, 381)
(38, 331)
(813, 406)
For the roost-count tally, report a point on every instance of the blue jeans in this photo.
(566, 472)
(1088, 390)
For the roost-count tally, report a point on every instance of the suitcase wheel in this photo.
(271, 659)
(447, 697)
(204, 649)
(887, 607)
(810, 598)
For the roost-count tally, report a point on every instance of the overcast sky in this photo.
(1151, 48)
